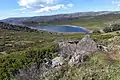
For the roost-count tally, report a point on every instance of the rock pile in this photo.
(75, 50)
(71, 52)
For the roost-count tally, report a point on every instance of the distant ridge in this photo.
(55, 19)
(57, 16)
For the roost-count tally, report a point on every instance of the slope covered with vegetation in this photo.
(21, 48)
(90, 22)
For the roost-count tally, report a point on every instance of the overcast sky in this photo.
(25, 8)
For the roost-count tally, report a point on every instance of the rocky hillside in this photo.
(57, 56)
(71, 53)
(27, 54)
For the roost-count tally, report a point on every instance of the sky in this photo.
(27, 8)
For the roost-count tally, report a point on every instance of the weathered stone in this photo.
(57, 61)
(70, 47)
(102, 48)
(86, 45)
(67, 47)
(74, 60)
(78, 49)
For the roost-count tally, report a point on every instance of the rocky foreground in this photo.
(71, 53)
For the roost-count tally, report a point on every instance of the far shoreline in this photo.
(64, 32)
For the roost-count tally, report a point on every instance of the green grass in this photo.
(13, 41)
(97, 67)
(19, 49)
(96, 22)
(11, 63)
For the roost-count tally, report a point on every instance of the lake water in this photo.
(62, 28)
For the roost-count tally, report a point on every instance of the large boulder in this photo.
(78, 49)
(86, 45)
(83, 46)
(67, 47)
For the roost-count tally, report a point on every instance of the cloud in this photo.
(39, 6)
(20, 9)
(52, 8)
(70, 5)
(29, 3)
(116, 3)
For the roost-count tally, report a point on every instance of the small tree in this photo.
(96, 31)
(115, 27)
(107, 29)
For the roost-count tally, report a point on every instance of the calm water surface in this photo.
(61, 28)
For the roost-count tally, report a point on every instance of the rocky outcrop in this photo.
(85, 45)
(76, 50)
(71, 52)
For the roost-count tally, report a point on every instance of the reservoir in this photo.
(61, 28)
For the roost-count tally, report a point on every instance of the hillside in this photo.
(24, 52)
(89, 20)
(8, 26)
(27, 54)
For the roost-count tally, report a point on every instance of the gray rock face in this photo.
(74, 60)
(86, 45)
(67, 47)
(58, 61)
(78, 49)
(83, 46)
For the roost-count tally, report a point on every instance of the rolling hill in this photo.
(86, 19)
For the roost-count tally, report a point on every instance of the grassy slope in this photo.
(16, 45)
(98, 66)
(37, 46)
(87, 22)
(11, 41)
(19, 49)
